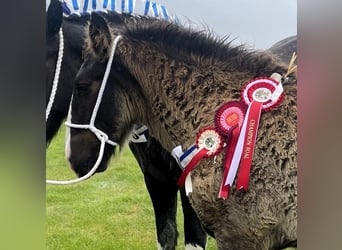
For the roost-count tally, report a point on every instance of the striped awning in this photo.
(139, 7)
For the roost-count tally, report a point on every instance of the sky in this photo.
(257, 23)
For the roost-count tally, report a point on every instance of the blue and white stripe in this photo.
(183, 158)
(139, 7)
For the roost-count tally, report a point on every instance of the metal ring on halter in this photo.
(102, 136)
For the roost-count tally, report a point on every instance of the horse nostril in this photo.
(79, 175)
(80, 172)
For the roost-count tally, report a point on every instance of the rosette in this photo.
(260, 94)
(265, 90)
(211, 140)
(228, 116)
(208, 144)
(228, 121)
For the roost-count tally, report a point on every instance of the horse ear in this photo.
(117, 19)
(54, 18)
(99, 34)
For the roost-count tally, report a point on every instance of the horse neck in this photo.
(182, 96)
(71, 62)
(74, 35)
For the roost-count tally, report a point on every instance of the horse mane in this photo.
(194, 46)
(176, 39)
(77, 19)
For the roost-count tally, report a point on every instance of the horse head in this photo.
(54, 18)
(112, 117)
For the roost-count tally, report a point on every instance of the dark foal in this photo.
(156, 164)
(183, 79)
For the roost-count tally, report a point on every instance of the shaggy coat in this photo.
(183, 78)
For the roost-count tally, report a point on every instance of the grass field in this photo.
(112, 210)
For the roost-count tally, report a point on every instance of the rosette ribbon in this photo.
(249, 136)
(228, 120)
(208, 144)
(260, 94)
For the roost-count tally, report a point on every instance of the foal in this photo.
(183, 79)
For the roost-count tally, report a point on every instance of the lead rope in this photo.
(102, 136)
(56, 77)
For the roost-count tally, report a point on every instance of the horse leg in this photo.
(195, 236)
(160, 169)
(164, 200)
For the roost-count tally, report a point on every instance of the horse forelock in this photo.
(115, 21)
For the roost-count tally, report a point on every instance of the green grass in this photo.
(112, 210)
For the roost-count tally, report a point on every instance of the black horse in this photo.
(156, 164)
(183, 77)
(285, 48)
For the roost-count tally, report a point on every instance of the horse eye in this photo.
(82, 87)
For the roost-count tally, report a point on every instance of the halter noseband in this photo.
(102, 136)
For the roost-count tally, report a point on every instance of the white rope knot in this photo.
(97, 132)
(100, 135)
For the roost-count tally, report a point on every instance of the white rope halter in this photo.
(56, 77)
(102, 136)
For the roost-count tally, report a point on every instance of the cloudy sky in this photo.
(258, 23)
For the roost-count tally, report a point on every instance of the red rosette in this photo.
(228, 116)
(261, 90)
(209, 139)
